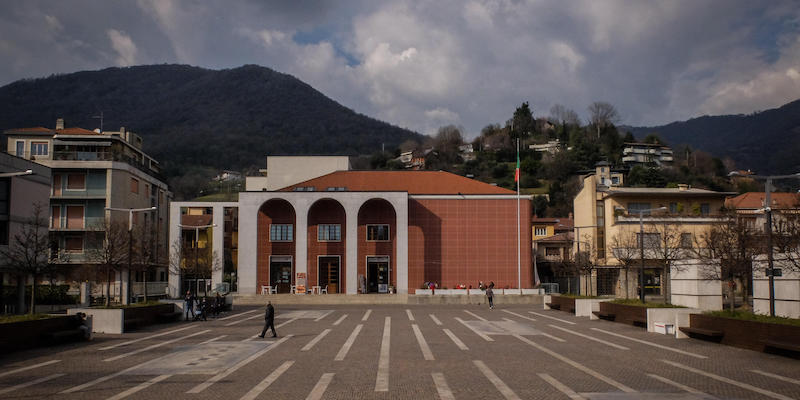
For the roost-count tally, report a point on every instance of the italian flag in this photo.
(516, 174)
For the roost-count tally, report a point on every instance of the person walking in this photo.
(218, 302)
(269, 321)
(188, 304)
(490, 295)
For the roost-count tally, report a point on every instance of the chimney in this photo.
(60, 123)
(683, 187)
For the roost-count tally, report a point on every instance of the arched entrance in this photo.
(326, 245)
(276, 245)
(377, 236)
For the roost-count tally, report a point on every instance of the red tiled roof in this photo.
(559, 224)
(413, 182)
(561, 237)
(37, 129)
(755, 200)
(75, 131)
(196, 220)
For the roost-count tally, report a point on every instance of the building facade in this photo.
(647, 154)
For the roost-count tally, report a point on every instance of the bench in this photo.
(133, 323)
(639, 322)
(605, 315)
(169, 316)
(702, 332)
(554, 306)
(67, 335)
(774, 344)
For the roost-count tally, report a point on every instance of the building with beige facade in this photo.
(607, 228)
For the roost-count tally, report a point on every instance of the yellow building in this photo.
(607, 227)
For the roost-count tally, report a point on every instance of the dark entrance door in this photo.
(329, 273)
(377, 274)
(280, 273)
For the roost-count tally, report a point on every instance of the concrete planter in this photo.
(566, 304)
(114, 320)
(27, 334)
(586, 307)
(750, 335)
(676, 317)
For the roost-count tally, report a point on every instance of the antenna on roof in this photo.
(100, 117)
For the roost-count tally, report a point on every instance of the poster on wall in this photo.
(300, 282)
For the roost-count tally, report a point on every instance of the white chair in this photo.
(273, 289)
(324, 290)
(293, 289)
(264, 289)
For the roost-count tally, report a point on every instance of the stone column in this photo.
(218, 245)
(173, 266)
(301, 206)
(351, 207)
(401, 214)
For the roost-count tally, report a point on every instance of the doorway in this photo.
(378, 274)
(280, 273)
(328, 273)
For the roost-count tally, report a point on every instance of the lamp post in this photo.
(130, 211)
(197, 240)
(20, 173)
(641, 247)
(768, 228)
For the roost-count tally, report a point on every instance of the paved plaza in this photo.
(397, 352)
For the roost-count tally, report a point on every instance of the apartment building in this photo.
(647, 154)
(92, 172)
(607, 227)
(552, 246)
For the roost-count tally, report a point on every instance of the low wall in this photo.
(586, 307)
(27, 334)
(787, 289)
(670, 316)
(437, 298)
(746, 334)
(624, 313)
(691, 285)
(104, 320)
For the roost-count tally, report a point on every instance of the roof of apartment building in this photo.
(413, 182)
(559, 224)
(564, 237)
(196, 220)
(755, 200)
(680, 191)
(48, 131)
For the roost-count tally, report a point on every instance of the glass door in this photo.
(377, 274)
(280, 273)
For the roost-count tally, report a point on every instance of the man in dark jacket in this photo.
(188, 304)
(269, 319)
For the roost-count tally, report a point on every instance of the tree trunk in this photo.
(665, 286)
(20, 294)
(627, 284)
(33, 295)
(732, 296)
(144, 279)
(108, 287)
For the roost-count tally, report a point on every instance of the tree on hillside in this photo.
(522, 123)
(641, 176)
(602, 115)
(28, 254)
(654, 138)
(564, 115)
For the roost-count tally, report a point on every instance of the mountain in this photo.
(767, 142)
(190, 116)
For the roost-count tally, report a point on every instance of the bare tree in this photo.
(625, 248)
(193, 262)
(144, 253)
(564, 115)
(602, 115)
(666, 250)
(109, 248)
(28, 254)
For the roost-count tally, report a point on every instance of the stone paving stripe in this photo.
(435, 320)
(410, 315)
(214, 379)
(285, 323)
(782, 378)
(101, 379)
(547, 316)
(237, 315)
(476, 315)
(441, 386)
(348, 343)
(547, 335)
(319, 388)
(728, 381)
(212, 339)
(323, 316)
(561, 387)
(676, 384)
(264, 384)
(242, 320)
(578, 365)
(139, 387)
(520, 315)
(455, 339)
(497, 382)
(423, 345)
(382, 379)
(485, 337)
(31, 383)
(614, 345)
(144, 338)
(366, 315)
(121, 356)
(651, 344)
(339, 321)
(314, 341)
(14, 371)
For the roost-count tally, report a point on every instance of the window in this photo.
(540, 231)
(552, 251)
(329, 233)
(651, 240)
(39, 148)
(673, 208)
(705, 209)
(56, 184)
(134, 185)
(377, 233)
(73, 244)
(55, 217)
(615, 180)
(304, 189)
(74, 217)
(76, 182)
(686, 240)
(147, 190)
(4, 233)
(5, 195)
(280, 233)
(635, 208)
(20, 149)
(335, 189)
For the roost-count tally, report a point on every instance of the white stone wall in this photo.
(787, 288)
(695, 284)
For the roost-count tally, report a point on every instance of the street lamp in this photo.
(641, 246)
(197, 239)
(130, 242)
(768, 228)
(20, 173)
(578, 253)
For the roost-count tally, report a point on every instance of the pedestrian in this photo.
(202, 310)
(432, 287)
(188, 304)
(218, 302)
(490, 295)
(269, 321)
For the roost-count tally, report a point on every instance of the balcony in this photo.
(108, 156)
(627, 218)
(89, 224)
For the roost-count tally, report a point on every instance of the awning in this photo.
(79, 143)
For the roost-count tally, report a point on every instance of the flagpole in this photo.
(519, 238)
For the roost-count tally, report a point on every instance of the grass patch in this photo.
(749, 316)
(579, 296)
(638, 303)
(7, 319)
(134, 305)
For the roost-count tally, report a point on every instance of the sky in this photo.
(429, 63)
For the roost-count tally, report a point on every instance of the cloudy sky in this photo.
(427, 63)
